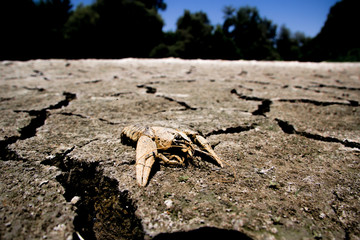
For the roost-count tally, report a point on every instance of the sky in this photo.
(307, 16)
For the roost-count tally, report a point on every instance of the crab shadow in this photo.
(203, 233)
(201, 157)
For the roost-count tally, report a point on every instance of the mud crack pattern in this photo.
(288, 132)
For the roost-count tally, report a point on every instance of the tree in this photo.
(51, 16)
(168, 46)
(157, 4)
(116, 28)
(194, 31)
(32, 30)
(338, 39)
(192, 38)
(16, 26)
(80, 32)
(222, 46)
(253, 35)
(290, 45)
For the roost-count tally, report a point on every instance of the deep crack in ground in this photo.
(351, 103)
(103, 212)
(184, 104)
(149, 89)
(320, 85)
(38, 119)
(290, 129)
(152, 90)
(264, 107)
(237, 129)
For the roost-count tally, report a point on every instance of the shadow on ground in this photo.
(204, 233)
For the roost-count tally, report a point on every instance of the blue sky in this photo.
(307, 16)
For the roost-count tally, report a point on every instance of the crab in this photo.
(169, 146)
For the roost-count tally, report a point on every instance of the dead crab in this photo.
(168, 145)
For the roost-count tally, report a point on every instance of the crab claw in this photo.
(206, 146)
(145, 158)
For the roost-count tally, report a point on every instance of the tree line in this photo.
(133, 28)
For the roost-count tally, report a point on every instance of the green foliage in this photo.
(115, 28)
(253, 35)
(289, 46)
(16, 24)
(192, 38)
(133, 28)
(32, 30)
(80, 32)
(157, 4)
(194, 31)
(167, 48)
(54, 14)
(51, 18)
(224, 47)
(81, 23)
(338, 39)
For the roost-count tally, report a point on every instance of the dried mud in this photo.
(289, 133)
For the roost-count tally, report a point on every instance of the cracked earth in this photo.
(289, 133)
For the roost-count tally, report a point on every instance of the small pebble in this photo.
(273, 230)
(169, 203)
(75, 200)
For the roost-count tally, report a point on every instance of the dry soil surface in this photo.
(288, 132)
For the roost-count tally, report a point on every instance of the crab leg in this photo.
(179, 161)
(206, 146)
(145, 158)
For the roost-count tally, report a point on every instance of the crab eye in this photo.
(178, 137)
